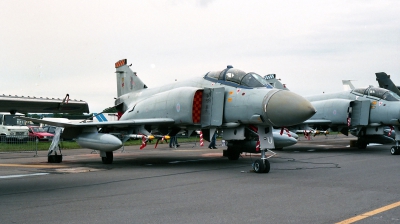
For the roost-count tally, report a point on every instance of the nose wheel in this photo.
(262, 165)
(395, 150)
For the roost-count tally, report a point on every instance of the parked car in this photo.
(12, 129)
(52, 130)
(36, 132)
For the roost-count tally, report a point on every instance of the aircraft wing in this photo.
(118, 124)
(14, 104)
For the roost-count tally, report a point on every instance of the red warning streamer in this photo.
(144, 143)
(201, 139)
(287, 131)
(391, 129)
(307, 135)
(258, 146)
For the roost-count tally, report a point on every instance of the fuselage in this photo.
(382, 106)
(241, 104)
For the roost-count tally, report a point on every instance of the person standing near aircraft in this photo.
(213, 140)
(173, 142)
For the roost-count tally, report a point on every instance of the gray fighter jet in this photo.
(243, 105)
(364, 112)
(371, 114)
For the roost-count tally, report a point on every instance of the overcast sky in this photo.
(50, 48)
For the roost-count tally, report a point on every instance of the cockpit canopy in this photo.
(235, 77)
(380, 93)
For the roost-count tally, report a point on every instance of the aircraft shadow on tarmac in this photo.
(206, 162)
(325, 149)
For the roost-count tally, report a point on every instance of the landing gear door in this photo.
(266, 137)
(212, 107)
(360, 112)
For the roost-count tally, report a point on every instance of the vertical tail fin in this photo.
(386, 83)
(347, 85)
(127, 80)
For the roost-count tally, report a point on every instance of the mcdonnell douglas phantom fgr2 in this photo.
(242, 105)
(366, 113)
(372, 114)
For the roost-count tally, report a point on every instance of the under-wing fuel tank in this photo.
(99, 141)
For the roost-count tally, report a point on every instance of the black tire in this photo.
(59, 158)
(258, 166)
(54, 158)
(361, 144)
(51, 159)
(108, 159)
(233, 154)
(394, 150)
(267, 166)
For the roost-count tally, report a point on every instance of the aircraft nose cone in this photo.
(286, 108)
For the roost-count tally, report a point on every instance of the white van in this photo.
(13, 129)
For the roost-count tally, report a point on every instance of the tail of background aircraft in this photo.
(347, 85)
(386, 83)
(276, 83)
(127, 81)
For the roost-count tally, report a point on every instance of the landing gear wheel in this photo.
(233, 154)
(258, 166)
(395, 150)
(361, 144)
(108, 159)
(261, 167)
(267, 166)
(54, 158)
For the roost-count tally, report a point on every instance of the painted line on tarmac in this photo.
(370, 213)
(32, 166)
(22, 175)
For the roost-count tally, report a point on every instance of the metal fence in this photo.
(22, 143)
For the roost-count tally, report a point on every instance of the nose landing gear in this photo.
(262, 165)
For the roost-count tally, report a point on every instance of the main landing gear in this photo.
(54, 158)
(232, 154)
(106, 157)
(361, 144)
